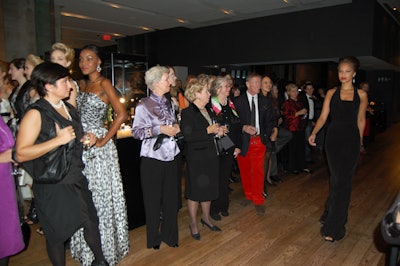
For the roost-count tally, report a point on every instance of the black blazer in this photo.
(194, 127)
(267, 119)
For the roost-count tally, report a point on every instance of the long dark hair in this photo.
(47, 73)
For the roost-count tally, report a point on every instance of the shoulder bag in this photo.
(52, 167)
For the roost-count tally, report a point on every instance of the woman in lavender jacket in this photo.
(154, 122)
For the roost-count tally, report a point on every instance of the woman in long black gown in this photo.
(346, 108)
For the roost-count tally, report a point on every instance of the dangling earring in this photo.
(98, 68)
(354, 79)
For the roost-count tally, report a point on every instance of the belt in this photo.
(254, 136)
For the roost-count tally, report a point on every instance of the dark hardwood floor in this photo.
(288, 234)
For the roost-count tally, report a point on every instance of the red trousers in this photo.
(251, 169)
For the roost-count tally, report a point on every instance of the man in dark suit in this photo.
(308, 100)
(257, 121)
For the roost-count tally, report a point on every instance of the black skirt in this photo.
(64, 208)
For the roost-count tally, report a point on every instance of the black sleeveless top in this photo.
(47, 132)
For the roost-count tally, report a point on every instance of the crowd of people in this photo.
(209, 124)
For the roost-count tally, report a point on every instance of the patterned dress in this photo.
(103, 173)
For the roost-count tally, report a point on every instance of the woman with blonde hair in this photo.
(30, 62)
(5, 91)
(202, 164)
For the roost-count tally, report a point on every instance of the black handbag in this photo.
(389, 228)
(54, 165)
(224, 144)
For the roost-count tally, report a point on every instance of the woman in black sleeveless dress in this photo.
(346, 108)
(66, 206)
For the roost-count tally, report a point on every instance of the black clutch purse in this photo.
(224, 144)
(179, 138)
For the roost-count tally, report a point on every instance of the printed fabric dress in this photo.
(104, 176)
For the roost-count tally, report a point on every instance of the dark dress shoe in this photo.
(156, 247)
(175, 246)
(225, 213)
(296, 172)
(212, 228)
(195, 236)
(306, 170)
(276, 179)
(269, 181)
(265, 194)
(100, 263)
(216, 216)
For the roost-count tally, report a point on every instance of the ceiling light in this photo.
(114, 5)
(228, 11)
(286, 1)
(66, 14)
(394, 8)
(181, 20)
(145, 28)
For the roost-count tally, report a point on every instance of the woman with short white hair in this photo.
(156, 125)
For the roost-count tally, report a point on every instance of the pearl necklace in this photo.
(58, 105)
(62, 104)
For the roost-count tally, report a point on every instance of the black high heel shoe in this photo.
(195, 236)
(32, 217)
(212, 228)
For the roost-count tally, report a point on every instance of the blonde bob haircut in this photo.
(291, 86)
(217, 84)
(33, 59)
(69, 52)
(154, 74)
(195, 87)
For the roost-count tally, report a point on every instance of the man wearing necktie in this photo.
(256, 118)
(309, 104)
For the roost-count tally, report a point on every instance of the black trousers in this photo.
(221, 204)
(159, 184)
(296, 145)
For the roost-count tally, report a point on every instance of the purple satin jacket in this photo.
(150, 114)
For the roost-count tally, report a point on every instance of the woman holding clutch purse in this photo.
(200, 131)
(227, 116)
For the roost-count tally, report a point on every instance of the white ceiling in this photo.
(86, 21)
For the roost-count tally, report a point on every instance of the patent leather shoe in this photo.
(212, 228)
(156, 247)
(195, 236)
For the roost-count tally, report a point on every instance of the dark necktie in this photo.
(253, 112)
